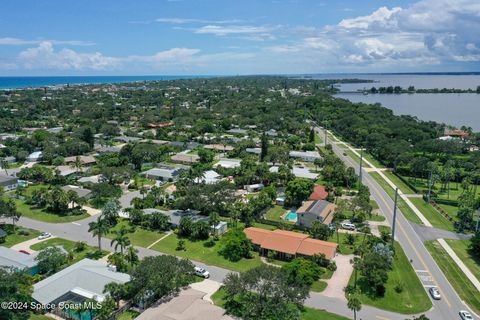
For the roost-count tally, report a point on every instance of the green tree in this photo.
(8, 209)
(234, 245)
(132, 256)
(354, 304)
(264, 147)
(50, 260)
(475, 244)
(110, 212)
(262, 293)
(320, 231)
(120, 239)
(115, 290)
(185, 227)
(303, 272)
(159, 276)
(99, 229)
(15, 287)
(298, 190)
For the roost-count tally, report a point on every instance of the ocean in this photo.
(25, 82)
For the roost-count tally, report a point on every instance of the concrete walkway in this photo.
(26, 244)
(340, 278)
(168, 233)
(91, 211)
(460, 263)
(209, 287)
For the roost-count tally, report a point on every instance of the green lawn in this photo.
(318, 139)
(128, 315)
(413, 298)
(464, 288)
(432, 215)
(399, 183)
(42, 215)
(138, 236)
(275, 214)
(406, 210)
(196, 250)
(12, 239)
(452, 211)
(452, 194)
(461, 248)
(68, 245)
(218, 299)
(355, 157)
(34, 316)
(318, 286)
(345, 248)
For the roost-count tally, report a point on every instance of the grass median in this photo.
(462, 285)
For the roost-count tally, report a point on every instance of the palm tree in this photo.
(213, 220)
(77, 164)
(121, 239)
(98, 229)
(4, 165)
(131, 255)
(115, 290)
(354, 304)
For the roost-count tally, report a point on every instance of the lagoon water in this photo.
(450, 108)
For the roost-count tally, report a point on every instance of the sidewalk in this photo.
(26, 244)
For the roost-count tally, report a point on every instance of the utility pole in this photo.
(360, 172)
(394, 217)
(429, 187)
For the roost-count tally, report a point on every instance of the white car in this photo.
(202, 272)
(44, 235)
(465, 315)
(435, 293)
(348, 226)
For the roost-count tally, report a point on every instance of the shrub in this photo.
(181, 245)
(23, 232)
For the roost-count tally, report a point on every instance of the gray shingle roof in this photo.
(15, 259)
(89, 276)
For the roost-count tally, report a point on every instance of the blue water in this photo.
(291, 216)
(24, 82)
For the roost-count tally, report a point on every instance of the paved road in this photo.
(424, 265)
(429, 233)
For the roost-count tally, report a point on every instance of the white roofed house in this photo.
(164, 173)
(307, 156)
(83, 280)
(209, 177)
(35, 156)
(18, 261)
(228, 163)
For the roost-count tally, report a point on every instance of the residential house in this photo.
(302, 172)
(164, 173)
(307, 156)
(84, 160)
(35, 156)
(3, 235)
(18, 261)
(315, 210)
(91, 179)
(237, 131)
(288, 244)
(219, 147)
(83, 280)
(66, 171)
(228, 163)
(81, 192)
(209, 177)
(254, 187)
(8, 182)
(185, 158)
(319, 193)
(254, 150)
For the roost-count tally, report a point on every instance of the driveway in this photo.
(208, 287)
(187, 305)
(340, 278)
(127, 197)
(26, 244)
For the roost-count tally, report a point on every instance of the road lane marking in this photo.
(412, 245)
(421, 271)
(382, 318)
(76, 223)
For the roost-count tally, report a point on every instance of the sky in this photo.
(230, 37)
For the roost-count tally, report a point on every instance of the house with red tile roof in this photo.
(288, 244)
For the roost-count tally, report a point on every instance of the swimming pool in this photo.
(291, 216)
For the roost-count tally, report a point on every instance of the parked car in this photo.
(435, 293)
(44, 235)
(202, 272)
(465, 315)
(348, 226)
(24, 251)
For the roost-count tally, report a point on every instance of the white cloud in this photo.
(228, 30)
(45, 57)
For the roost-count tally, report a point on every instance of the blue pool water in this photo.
(291, 216)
